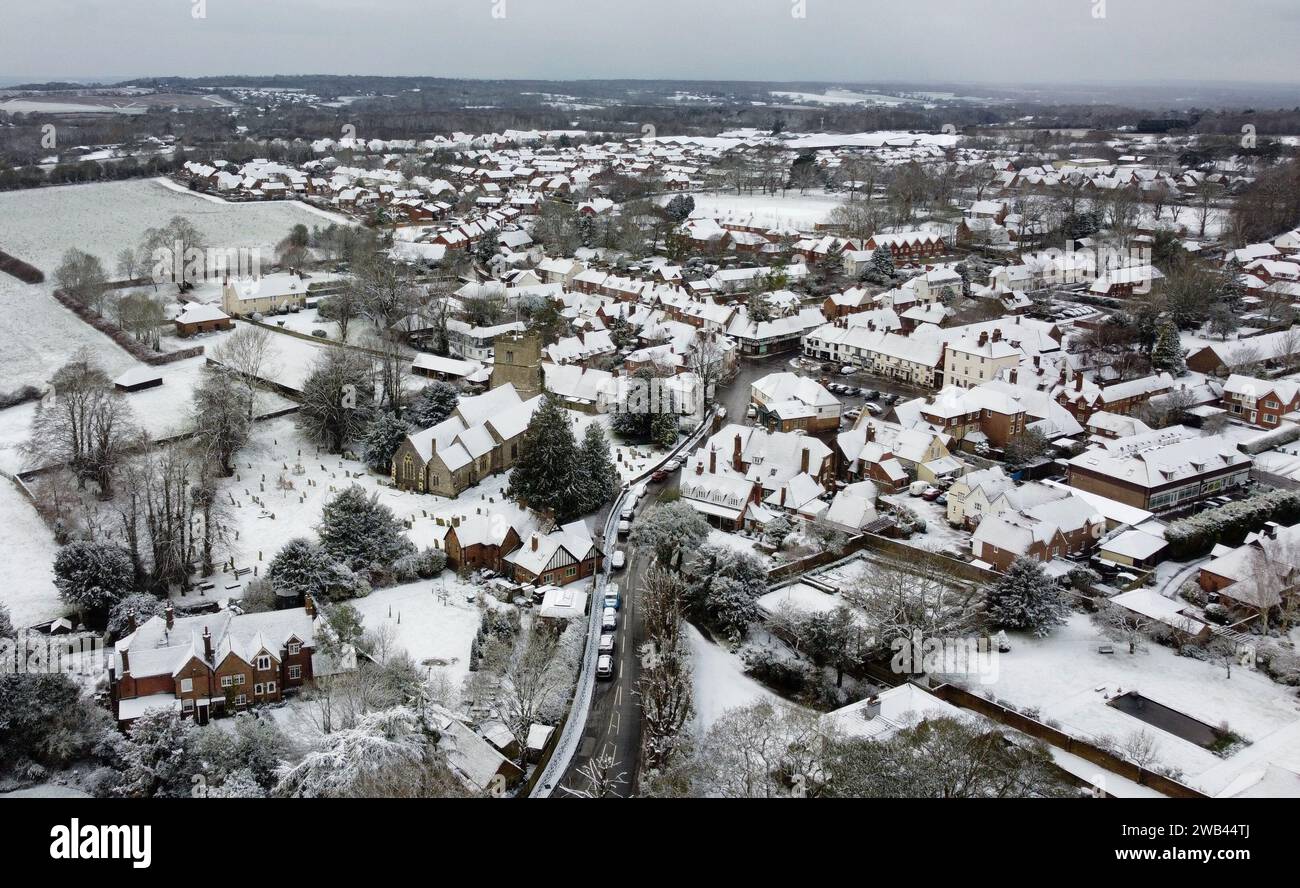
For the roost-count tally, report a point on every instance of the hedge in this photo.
(1197, 534)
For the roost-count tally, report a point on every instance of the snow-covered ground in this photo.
(432, 620)
(939, 535)
(719, 681)
(38, 225)
(26, 576)
(1069, 682)
(794, 210)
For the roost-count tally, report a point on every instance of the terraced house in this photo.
(214, 664)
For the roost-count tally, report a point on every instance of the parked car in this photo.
(875, 408)
(607, 643)
(916, 488)
(609, 620)
(618, 560)
(658, 475)
(605, 667)
(624, 527)
(752, 411)
(847, 370)
(673, 464)
(930, 494)
(613, 597)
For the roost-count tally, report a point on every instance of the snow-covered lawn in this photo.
(735, 541)
(1069, 682)
(799, 598)
(26, 578)
(939, 535)
(436, 629)
(719, 681)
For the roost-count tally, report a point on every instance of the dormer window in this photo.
(294, 648)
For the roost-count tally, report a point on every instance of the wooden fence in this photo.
(1100, 757)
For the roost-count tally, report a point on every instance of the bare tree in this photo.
(248, 352)
(84, 423)
(1123, 625)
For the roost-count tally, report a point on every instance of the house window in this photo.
(1270, 419)
(295, 672)
(257, 689)
(571, 570)
(241, 700)
(294, 648)
(187, 685)
(187, 705)
(239, 679)
(270, 687)
(226, 681)
(263, 663)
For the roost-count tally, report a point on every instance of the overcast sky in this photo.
(1003, 41)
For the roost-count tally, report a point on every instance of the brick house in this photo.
(213, 664)
(197, 317)
(1260, 402)
(563, 556)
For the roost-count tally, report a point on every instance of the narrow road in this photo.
(614, 721)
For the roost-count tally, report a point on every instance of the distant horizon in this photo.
(827, 41)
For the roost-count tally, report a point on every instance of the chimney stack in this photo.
(783, 496)
(803, 460)
(1078, 382)
(169, 613)
(872, 708)
(131, 624)
(1014, 373)
(309, 605)
(984, 337)
(207, 644)
(997, 335)
(713, 461)
(870, 432)
(735, 455)
(534, 542)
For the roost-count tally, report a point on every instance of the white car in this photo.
(609, 620)
(605, 667)
(619, 560)
(607, 643)
(624, 527)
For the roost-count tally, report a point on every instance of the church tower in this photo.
(518, 360)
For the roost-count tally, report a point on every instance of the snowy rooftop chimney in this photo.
(872, 708)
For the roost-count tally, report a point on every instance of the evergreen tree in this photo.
(432, 405)
(679, 209)
(361, 532)
(385, 435)
(545, 477)
(155, 758)
(882, 261)
(669, 530)
(304, 568)
(1027, 599)
(92, 577)
(141, 605)
(597, 475)
(1167, 355)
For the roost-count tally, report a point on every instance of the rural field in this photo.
(39, 225)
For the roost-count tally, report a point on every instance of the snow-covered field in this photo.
(38, 225)
(793, 210)
(939, 535)
(1069, 682)
(26, 578)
